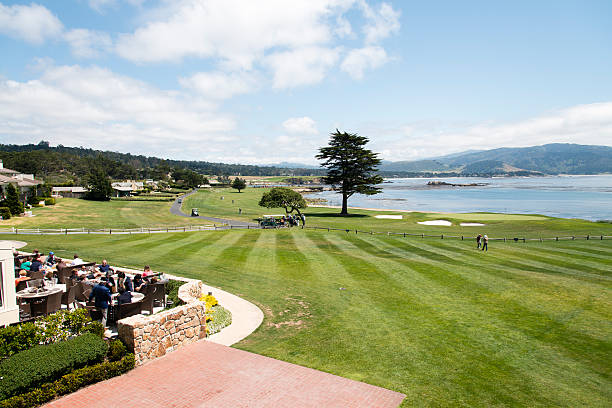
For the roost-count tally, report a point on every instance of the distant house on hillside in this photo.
(126, 188)
(27, 184)
(70, 192)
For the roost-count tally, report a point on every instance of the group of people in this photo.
(103, 278)
(482, 241)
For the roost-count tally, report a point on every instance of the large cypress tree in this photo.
(351, 167)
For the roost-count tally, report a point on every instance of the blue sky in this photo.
(263, 82)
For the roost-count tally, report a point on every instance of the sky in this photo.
(260, 82)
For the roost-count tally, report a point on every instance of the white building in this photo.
(9, 311)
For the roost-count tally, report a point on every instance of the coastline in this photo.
(378, 209)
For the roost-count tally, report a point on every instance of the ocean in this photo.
(585, 197)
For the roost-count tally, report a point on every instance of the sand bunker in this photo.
(436, 222)
(389, 217)
(471, 224)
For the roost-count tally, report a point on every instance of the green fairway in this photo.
(520, 325)
(76, 213)
(209, 203)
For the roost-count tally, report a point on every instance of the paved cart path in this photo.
(206, 374)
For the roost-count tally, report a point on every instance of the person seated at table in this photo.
(105, 268)
(25, 265)
(23, 276)
(51, 259)
(124, 282)
(125, 296)
(36, 265)
(139, 283)
(102, 297)
(147, 272)
(76, 260)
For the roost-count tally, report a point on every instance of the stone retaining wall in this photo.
(152, 336)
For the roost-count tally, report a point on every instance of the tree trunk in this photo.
(344, 204)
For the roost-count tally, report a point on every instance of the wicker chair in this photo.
(129, 309)
(159, 296)
(147, 302)
(47, 305)
(68, 297)
(37, 274)
(21, 285)
(34, 283)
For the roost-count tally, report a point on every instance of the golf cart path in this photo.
(176, 210)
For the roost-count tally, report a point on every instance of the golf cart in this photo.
(271, 221)
(194, 212)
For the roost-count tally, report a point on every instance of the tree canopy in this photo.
(99, 185)
(351, 168)
(239, 184)
(282, 197)
(12, 200)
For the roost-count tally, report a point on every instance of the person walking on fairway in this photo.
(478, 240)
(485, 243)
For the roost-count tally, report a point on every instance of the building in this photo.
(70, 192)
(27, 184)
(126, 188)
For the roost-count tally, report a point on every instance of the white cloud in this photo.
(95, 107)
(582, 124)
(381, 23)
(33, 23)
(301, 126)
(219, 85)
(86, 43)
(296, 40)
(101, 5)
(358, 60)
(305, 66)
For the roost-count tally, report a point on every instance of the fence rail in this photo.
(464, 237)
(216, 227)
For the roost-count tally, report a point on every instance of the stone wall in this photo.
(152, 336)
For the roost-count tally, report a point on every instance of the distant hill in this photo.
(557, 158)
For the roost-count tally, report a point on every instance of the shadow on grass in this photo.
(336, 215)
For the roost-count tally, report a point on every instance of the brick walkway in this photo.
(206, 374)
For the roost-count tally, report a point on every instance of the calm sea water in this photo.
(587, 197)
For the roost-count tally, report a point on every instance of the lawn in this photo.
(76, 213)
(225, 203)
(520, 325)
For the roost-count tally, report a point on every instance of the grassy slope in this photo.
(497, 225)
(522, 325)
(72, 212)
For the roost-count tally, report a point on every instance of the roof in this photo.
(121, 188)
(74, 189)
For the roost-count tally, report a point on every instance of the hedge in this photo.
(49, 329)
(5, 212)
(31, 368)
(49, 201)
(70, 383)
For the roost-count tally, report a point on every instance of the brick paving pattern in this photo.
(206, 374)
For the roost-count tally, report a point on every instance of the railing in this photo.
(464, 237)
(216, 227)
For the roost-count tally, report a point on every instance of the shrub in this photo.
(55, 327)
(172, 288)
(49, 201)
(5, 213)
(116, 350)
(31, 368)
(70, 383)
(14, 339)
(216, 319)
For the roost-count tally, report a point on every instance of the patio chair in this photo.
(159, 296)
(21, 285)
(129, 309)
(34, 283)
(147, 302)
(63, 275)
(47, 305)
(37, 274)
(68, 297)
(25, 312)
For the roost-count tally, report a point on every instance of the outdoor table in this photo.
(28, 294)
